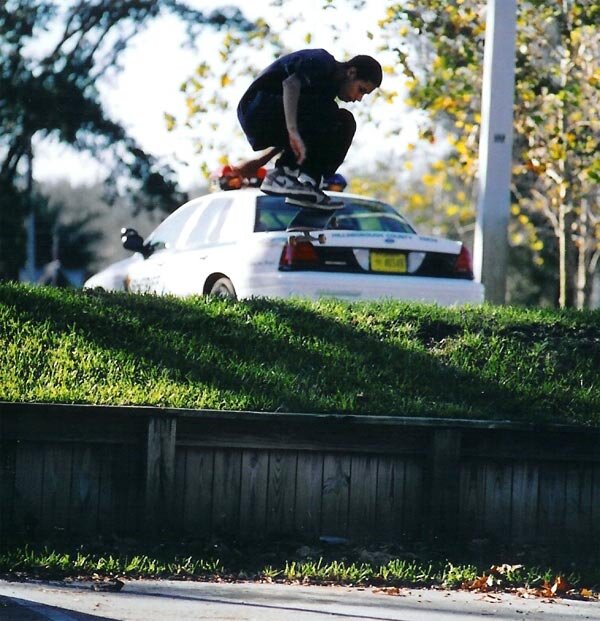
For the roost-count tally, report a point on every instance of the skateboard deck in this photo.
(309, 218)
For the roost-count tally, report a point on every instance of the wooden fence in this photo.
(86, 471)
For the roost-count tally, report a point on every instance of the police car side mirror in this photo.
(133, 241)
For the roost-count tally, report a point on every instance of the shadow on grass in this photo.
(271, 354)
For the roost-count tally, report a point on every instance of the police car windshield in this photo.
(274, 214)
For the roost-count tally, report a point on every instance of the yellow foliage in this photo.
(408, 165)
(416, 200)
(452, 210)
(192, 106)
(461, 147)
(390, 96)
(170, 121)
(428, 179)
(557, 151)
(225, 80)
(202, 70)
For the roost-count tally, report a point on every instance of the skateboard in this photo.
(309, 219)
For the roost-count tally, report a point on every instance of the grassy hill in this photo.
(377, 358)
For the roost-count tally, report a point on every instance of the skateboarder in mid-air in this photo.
(290, 109)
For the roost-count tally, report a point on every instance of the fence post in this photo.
(444, 483)
(5, 505)
(160, 474)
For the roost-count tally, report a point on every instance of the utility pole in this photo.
(490, 252)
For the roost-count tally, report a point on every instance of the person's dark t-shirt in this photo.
(314, 68)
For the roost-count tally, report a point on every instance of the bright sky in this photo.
(157, 63)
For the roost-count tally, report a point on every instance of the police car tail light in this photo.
(463, 267)
(296, 254)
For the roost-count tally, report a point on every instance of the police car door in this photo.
(151, 275)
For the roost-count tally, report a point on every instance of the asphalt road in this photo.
(185, 601)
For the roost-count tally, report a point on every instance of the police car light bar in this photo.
(228, 178)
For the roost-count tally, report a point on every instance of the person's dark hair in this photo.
(367, 68)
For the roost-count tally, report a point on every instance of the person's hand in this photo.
(249, 168)
(298, 146)
(246, 169)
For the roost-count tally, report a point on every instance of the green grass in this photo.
(344, 567)
(299, 356)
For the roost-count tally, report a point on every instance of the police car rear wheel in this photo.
(223, 288)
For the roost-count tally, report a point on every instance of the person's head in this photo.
(361, 75)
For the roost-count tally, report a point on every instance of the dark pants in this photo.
(326, 129)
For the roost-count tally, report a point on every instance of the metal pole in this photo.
(490, 252)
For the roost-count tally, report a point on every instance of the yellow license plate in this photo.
(390, 262)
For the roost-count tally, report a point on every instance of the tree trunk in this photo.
(562, 255)
(581, 279)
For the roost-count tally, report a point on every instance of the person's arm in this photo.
(291, 95)
(249, 168)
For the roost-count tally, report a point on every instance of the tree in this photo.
(556, 163)
(52, 59)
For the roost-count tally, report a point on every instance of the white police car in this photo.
(234, 243)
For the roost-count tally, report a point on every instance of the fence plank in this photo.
(578, 506)
(525, 501)
(253, 500)
(160, 473)
(56, 487)
(282, 492)
(413, 509)
(362, 510)
(29, 473)
(472, 499)
(197, 492)
(552, 502)
(595, 531)
(7, 486)
(122, 479)
(336, 482)
(444, 482)
(85, 489)
(309, 493)
(390, 497)
(226, 491)
(498, 497)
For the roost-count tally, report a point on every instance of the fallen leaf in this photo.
(586, 593)
(396, 591)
